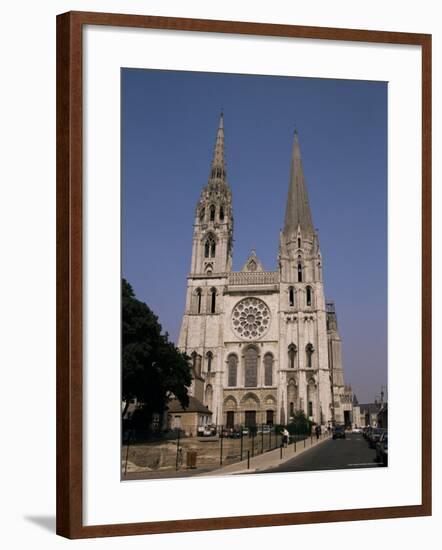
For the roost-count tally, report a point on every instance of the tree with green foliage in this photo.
(153, 369)
(299, 424)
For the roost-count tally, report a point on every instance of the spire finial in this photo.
(297, 212)
(218, 168)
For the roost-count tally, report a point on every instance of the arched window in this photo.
(213, 300)
(212, 213)
(309, 352)
(309, 295)
(291, 296)
(268, 369)
(292, 355)
(221, 213)
(196, 364)
(299, 242)
(202, 214)
(292, 409)
(209, 397)
(299, 272)
(198, 300)
(209, 247)
(232, 368)
(209, 358)
(251, 368)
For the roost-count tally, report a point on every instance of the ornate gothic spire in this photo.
(218, 168)
(213, 228)
(298, 209)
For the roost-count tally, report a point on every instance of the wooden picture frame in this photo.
(70, 272)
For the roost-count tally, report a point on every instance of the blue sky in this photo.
(169, 121)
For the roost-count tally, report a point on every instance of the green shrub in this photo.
(299, 424)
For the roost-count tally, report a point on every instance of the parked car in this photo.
(206, 431)
(382, 449)
(339, 432)
(375, 435)
(357, 430)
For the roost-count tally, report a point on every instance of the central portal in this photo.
(250, 419)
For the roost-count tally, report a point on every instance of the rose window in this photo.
(250, 318)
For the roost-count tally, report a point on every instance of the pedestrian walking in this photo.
(318, 431)
(285, 437)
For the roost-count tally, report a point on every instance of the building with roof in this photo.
(263, 344)
(383, 416)
(188, 419)
(369, 414)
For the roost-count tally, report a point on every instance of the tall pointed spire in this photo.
(218, 168)
(213, 227)
(298, 209)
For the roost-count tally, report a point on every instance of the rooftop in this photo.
(195, 405)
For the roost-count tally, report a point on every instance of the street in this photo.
(352, 452)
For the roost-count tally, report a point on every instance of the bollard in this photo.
(304, 441)
(177, 450)
(253, 443)
(280, 451)
(294, 445)
(248, 460)
(221, 436)
(129, 436)
(241, 442)
(262, 438)
(127, 458)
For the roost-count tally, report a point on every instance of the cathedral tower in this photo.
(213, 227)
(303, 338)
(201, 329)
(299, 254)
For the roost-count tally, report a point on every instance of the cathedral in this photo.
(263, 344)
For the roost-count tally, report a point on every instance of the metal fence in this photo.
(172, 452)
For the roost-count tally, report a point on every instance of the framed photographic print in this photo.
(243, 274)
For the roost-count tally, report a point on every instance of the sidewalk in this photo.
(270, 459)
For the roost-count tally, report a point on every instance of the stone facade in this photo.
(263, 344)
